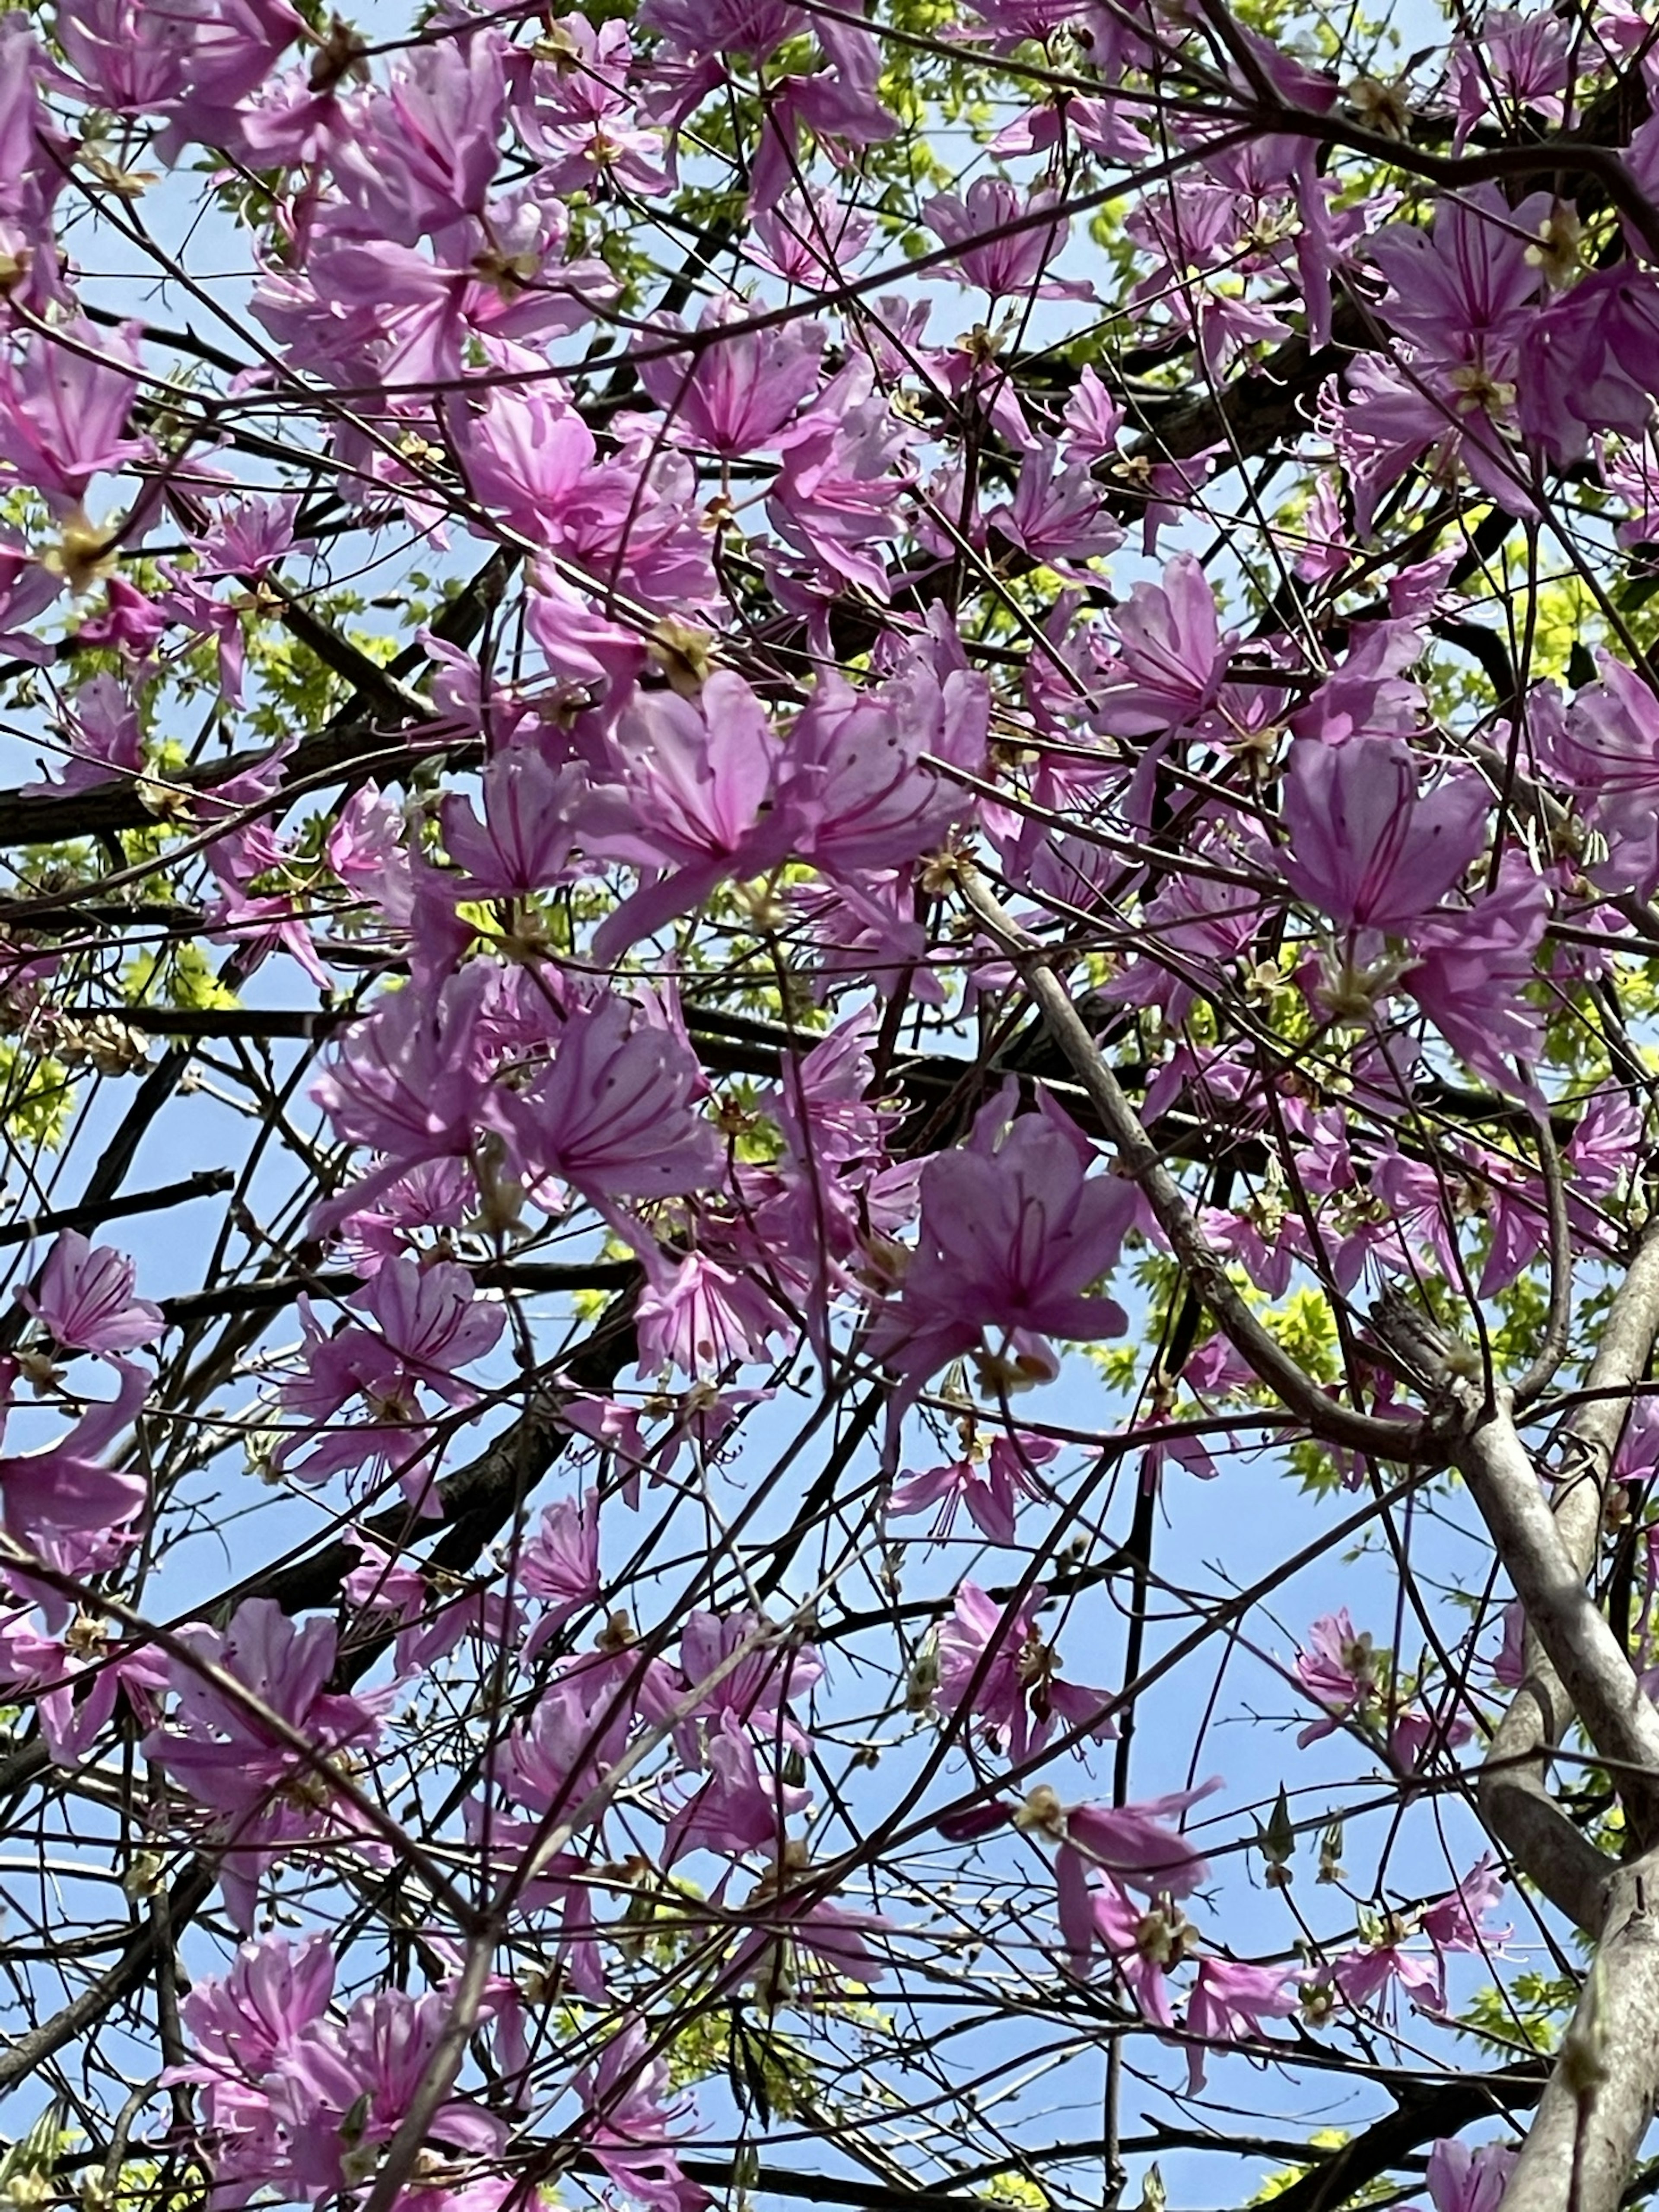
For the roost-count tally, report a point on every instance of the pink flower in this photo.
(739, 1808)
(734, 394)
(1481, 957)
(702, 1319)
(528, 455)
(1144, 1945)
(65, 400)
(99, 734)
(1365, 1973)
(523, 844)
(1464, 2180)
(627, 2124)
(66, 1486)
(699, 804)
(243, 2024)
(988, 1486)
(74, 1680)
(1462, 292)
(1364, 846)
(1014, 263)
(84, 1300)
(1012, 1229)
(1606, 747)
(410, 1082)
(861, 797)
(1172, 657)
(615, 1114)
(1457, 1921)
(425, 151)
(1338, 1669)
(999, 1667)
(339, 2093)
(224, 1754)
(559, 1562)
(1228, 2002)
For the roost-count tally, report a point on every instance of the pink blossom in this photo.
(858, 788)
(83, 1298)
(98, 733)
(1482, 956)
(1365, 845)
(614, 1115)
(524, 843)
(1171, 660)
(1012, 1229)
(559, 1563)
(1606, 747)
(1464, 2180)
(74, 1681)
(407, 1082)
(1338, 1669)
(66, 1486)
(739, 1808)
(1229, 2003)
(1014, 262)
(1457, 1922)
(736, 392)
(424, 153)
(699, 803)
(65, 400)
(243, 2023)
(1143, 1944)
(988, 1486)
(702, 1319)
(222, 1752)
(627, 2120)
(1000, 1668)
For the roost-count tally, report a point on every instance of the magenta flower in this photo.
(739, 1808)
(702, 1319)
(1462, 293)
(527, 455)
(1370, 1971)
(1606, 747)
(425, 151)
(1363, 845)
(265, 1795)
(275, 1990)
(1457, 1922)
(409, 1081)
(84, 1300)
(337, 2095)
(1229, 2003)
(1143, 1944)
(75, 1679)
(523, 844)
(1012, 1229)
(857, 786)
(1480, 958)
(99, 735)
(988, 1487)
